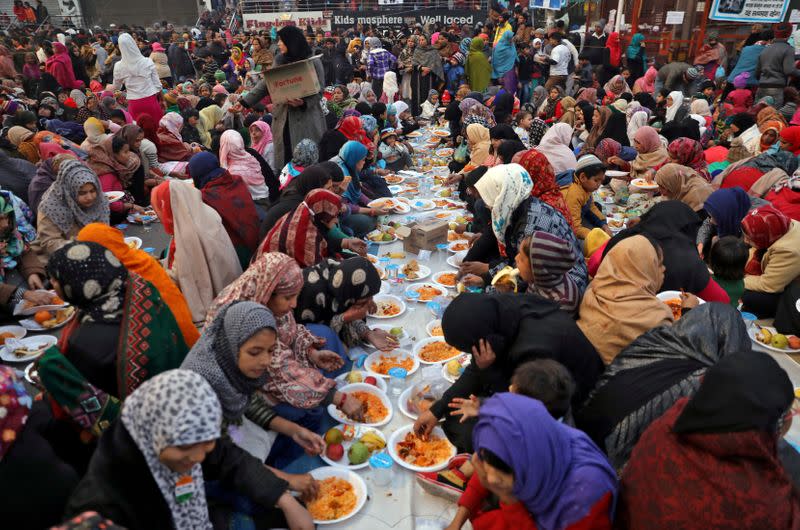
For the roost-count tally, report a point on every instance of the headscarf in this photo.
(559, 473)
(173, 122)
(474, 111)
(504, 55)
(353, 129)
(791, 135)
(390, 87)
(297, 48)
(653, 153)
(95, 131)
(568, 111)
(638, 120)
(270, 273)
(620, 303)
(689, 153)
(92, 279)
(266, 135)
(15, 244)
(215, 356)
(16, 405)
(234, 158)
(765, 225)
(331, 287)
(551, 260)
(635, 48)
(684, 184)
(369, 123)
(131, 56)
(677, 102)
(427, 56)
(617, 86)
(17, 135)
(545, 186)
(615, 49)
(102, 160)
(350, 154)
(728, 207)
(700, 107)
(209, 117)
(301, 233)
(587, 94)
(596, 133)
(140, 262)
(768, 114)
(305, 153)
(479, 136)
(647, 84)
(759, 146)
(503, 188)
(555, 146)
(174, 408)
(60, 201)
(477, 65)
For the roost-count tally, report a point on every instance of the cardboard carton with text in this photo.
(292, 81)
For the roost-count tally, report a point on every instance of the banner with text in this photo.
(261, 21)
(395, 20)
(749, 10)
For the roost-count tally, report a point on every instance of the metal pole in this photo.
(618, 23)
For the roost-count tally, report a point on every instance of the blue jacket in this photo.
(748, 60)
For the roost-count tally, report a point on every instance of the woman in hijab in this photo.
(262, 56)
(390, 88)
(675, 109)
(301, 234)
(616, 127)
(238, 162)
(140, 78)
(90, 109)
(305, 155)
(545, 186)
(165, 446)
(776, 261)
(230, 197)
(21, 138)
(343, 305)
(600, 118)
(477, 68)
(504, 58)
(638, 120)
(647, 83)
(790, 140)
(360, 219)
(115, 165)
(201, 257)
(555, 146)
(651, 153)
(681, 183)
(473, 111)
(123, 334)
(615, 155)
(673, 226)
(636, 57)
(242, 332)
(544, 262)
(46, 172)
(547, 110)
(725, 208)
(503, 108)
(512, 329)
(95, 133)
(261, 142)
(535, 496)
(296, 119)
(171, 147)
(718, 446)
(653, 372)
(209, 118)
(620, 303)
(74, 200)
(427, 71)
(615, 88)
(139, 262)
(297, 382)
(689, 153)
(59, 65)
(568, 115)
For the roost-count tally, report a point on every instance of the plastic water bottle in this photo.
(382, 469)
(397, 381)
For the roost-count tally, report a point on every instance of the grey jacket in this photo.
(775, 65)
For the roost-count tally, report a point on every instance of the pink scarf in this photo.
(237, 161)
(266, 137)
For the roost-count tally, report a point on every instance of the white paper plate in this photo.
(440, 133)
(414, 134)
(404, 339)
(341, 380)
(642, 184)
(464, 359)
(423, 205)
(430, 340)
(402, 403)
(752, 331)
(442, 291)
(398, 436)
(394, 205)
(445, 152)
(360, 431)
(432, 324)
(394, 179)
(133, 242)
(421, 274)
(114, 196)
(44, 341)
(359, 486)
(456, 259)
(389, 298)
(439, 283)
(21, 310)
(339, 416)
(452, 247)
(375, 357)
(670, 295)
(613, 173)
(18, 331)
(31, 325)
(371, 242)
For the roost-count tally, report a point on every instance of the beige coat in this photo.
(780, 264)
(49, 236)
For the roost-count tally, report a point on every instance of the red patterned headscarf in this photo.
(15, 405)
(763, 227)
(545, 187)
(301, 233)
(689, 153)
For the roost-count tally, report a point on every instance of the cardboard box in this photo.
(425, 236)
(292, 81)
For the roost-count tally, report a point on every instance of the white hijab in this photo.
(390, 87)
(638, 120)
(131, 56)
(555, 146)
(677, 101)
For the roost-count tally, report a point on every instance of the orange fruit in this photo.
(42, 316)
(57, 301)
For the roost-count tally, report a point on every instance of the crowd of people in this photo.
(587, 403)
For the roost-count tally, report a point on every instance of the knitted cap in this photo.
(587, 161)
(692, 73)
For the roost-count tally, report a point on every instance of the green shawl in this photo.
(478, 69)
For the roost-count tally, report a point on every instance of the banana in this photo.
(765, 336)
(373, 441)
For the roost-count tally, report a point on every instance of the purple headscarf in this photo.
(559, 473)
(728, 207)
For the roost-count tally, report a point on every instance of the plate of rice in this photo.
(411, 452)
(378, 408)
(434, 350)
(342, 494)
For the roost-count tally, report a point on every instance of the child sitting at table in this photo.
(430, 105)
(394, 153)
(727, 260)
(589, 175)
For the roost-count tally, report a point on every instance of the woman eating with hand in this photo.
(681, 183)
(652, 153)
